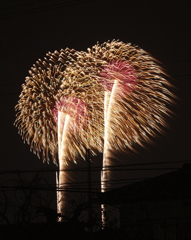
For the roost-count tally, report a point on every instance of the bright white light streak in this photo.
(63, 131)
(61, 119)
(63, 145)
(108, 105)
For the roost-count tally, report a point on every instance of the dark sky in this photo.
(29, 29)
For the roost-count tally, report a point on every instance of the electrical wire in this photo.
(21, 5)
(43, 8)
(108, 168)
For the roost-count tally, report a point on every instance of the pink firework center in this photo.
(123, 72)
(76, 108)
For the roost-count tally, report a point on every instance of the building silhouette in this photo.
(158, 208)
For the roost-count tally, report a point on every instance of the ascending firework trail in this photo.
(112, 97)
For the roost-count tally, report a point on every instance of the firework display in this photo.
(115, 96)
(53, 90)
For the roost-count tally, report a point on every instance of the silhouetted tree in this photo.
(20, 198)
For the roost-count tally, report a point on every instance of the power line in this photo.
(69, 187)
(97, 168)
(48, 188)
(42, 9)
(62, 189)
(94, 170)
(21, 5)
(76, 184)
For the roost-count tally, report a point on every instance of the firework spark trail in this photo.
(104, 164)
(105, 176)
(77, 74)
(61, 120)
(109, 99)
(62, 159)
(70, 115)
(106, 142)
(63, 145)
(73, 100)
(120, 82)
(119, 79)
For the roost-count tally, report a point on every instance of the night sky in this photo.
(29, 29)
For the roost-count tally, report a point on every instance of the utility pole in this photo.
(89, 191)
